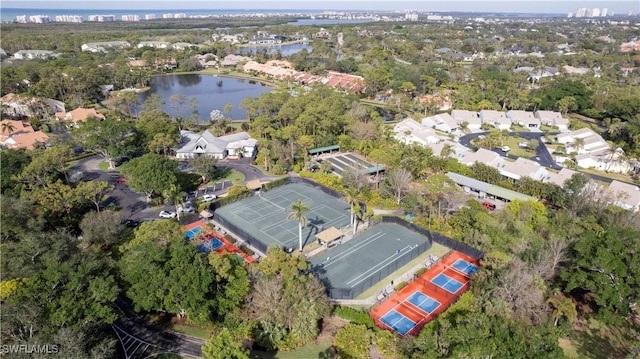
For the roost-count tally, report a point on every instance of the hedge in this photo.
(420, 271)
(354, 316)
(401, 285)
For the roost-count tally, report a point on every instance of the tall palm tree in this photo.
(563, 307)
(7, 127)
(447, 150)
(354, 204)
(299, 209)
(174, 195)
(579, 144)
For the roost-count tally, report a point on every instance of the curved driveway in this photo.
(542, 155)
(133, 204)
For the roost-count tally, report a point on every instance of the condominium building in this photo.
(69, 18)
(130, 17)
(149, 16)
(102, 18)
(39, 19)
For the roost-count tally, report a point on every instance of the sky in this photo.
(514, 6)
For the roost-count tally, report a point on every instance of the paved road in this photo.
(140, 339)
(134, 205)
(542, 156)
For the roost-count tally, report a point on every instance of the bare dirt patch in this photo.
(330, 327)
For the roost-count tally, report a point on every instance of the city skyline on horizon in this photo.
(505, 6)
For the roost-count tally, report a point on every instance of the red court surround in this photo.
(423, 284)
(210, 234)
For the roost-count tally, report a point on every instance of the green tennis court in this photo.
(353, 267)
(264, 216)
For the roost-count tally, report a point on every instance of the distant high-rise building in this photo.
(582, 12)
(102, 18)
(21, 19)
(595, 12)
(69, 18)
(411, 15)
(180, 16)
(130, 18)
(149, 16)
(604, 12)
(40, 19)
(167, 16)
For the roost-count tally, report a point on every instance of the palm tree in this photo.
(447, 150)
(563, 307)
(174, 195)
(7, 127)
(353, 203)
(299, 209)
(578, 144)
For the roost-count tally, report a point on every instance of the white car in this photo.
(209, 197)
(188, 208)
(167, 214)
(506, 148)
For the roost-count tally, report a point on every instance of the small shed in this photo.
(206, 214)
(329, 235)
(254, 184)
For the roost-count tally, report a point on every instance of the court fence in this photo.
(247, 237)
(308, 182)
(433, 236)
(351, 293)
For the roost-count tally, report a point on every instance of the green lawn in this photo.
(104, 166)
(226, 174)
(593, 339)
(615, 176)
(313, 350)
(197, 332)
(516, 150)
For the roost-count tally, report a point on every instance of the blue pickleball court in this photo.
(446, 282)
(424, 302)
(465, 267)
(398, 322)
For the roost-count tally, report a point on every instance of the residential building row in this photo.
(410, 131)
(105, 46)
(501, 120)
(284, 70)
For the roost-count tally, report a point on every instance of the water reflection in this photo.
(210, 92)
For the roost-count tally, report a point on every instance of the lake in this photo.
(285, 50)
(206, 90)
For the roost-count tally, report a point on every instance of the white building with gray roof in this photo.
(206, 144)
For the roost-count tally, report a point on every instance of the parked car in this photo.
(187, 208)
(506, 148)
(131, 223)
(489, 206)
(167, 214)
(209, 197)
